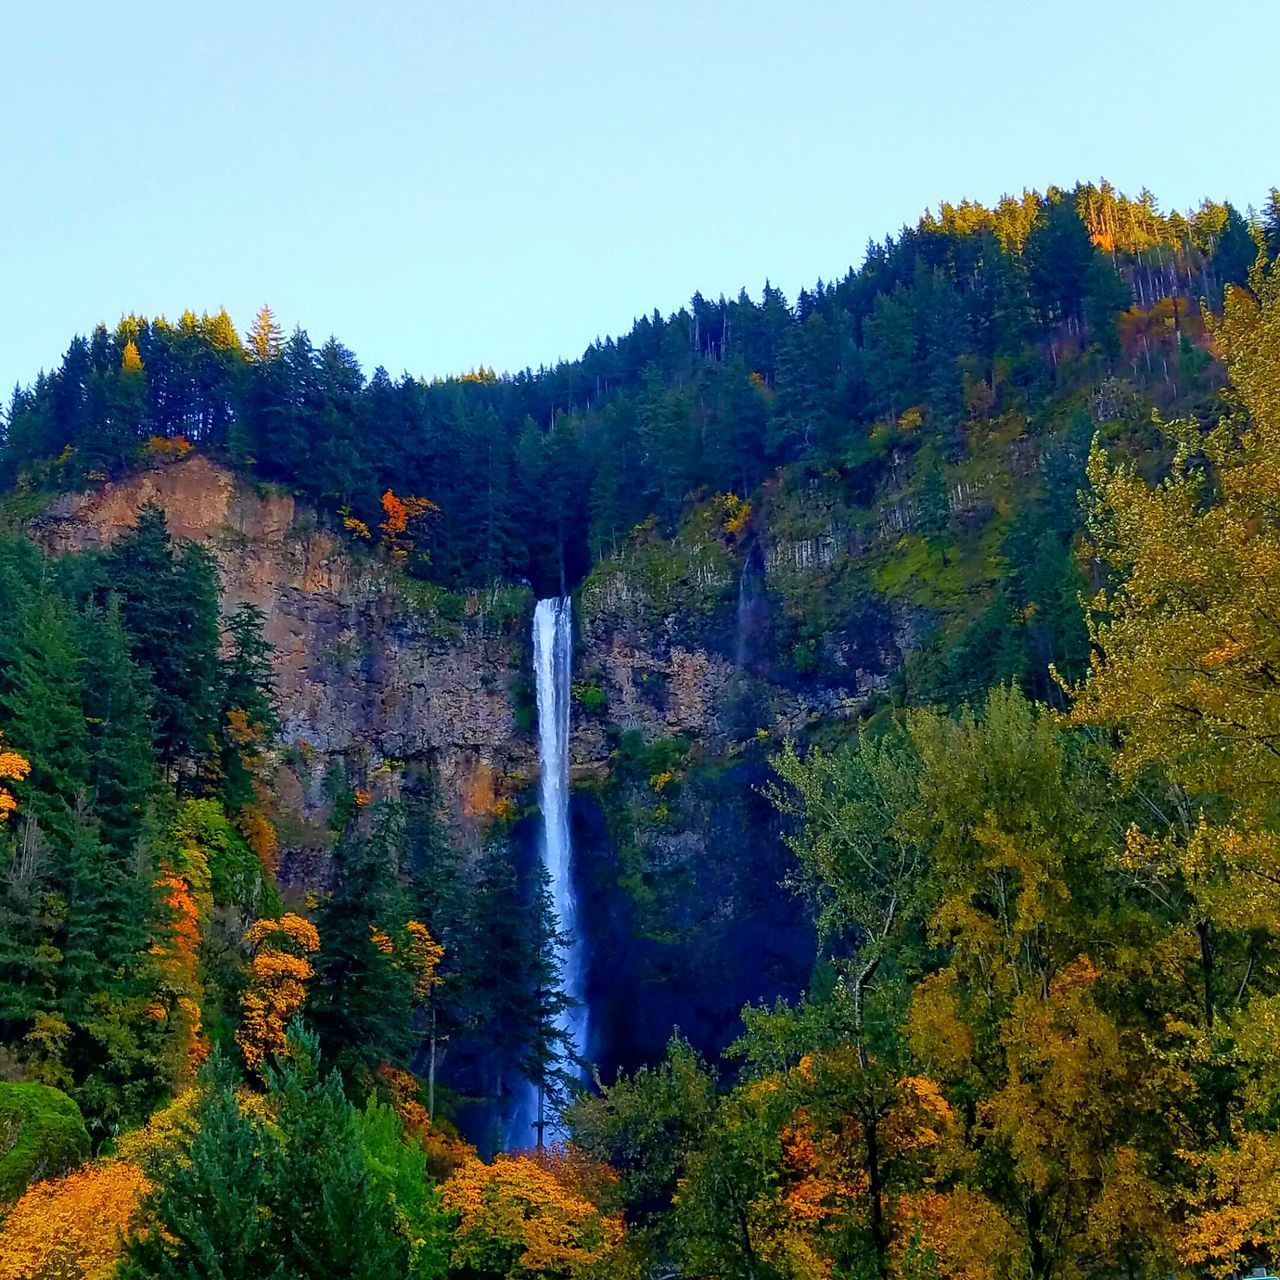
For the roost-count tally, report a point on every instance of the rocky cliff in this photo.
(381, 679)
(377, 675)
(371, 678)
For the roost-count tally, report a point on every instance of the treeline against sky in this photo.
(972, 313)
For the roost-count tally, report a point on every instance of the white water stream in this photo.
(552, 654)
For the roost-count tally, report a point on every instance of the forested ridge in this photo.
(1012, 483)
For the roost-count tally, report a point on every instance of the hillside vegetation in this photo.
(1009, 493)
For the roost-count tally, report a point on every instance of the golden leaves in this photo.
(72, 1226)
(1234, 1205)
(13, 768)
(277, 984)
(518, 1208)
(423, 956)
(1187, 662)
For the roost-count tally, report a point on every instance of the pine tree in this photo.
(117, 705)
(296, 1197)
(249, 718)
(330, 1214)
(211, 1217)
(169, 605)
(362, 1002)
(42, 700)
(266, 338)
(546, 1059)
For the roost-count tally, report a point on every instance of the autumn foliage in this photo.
(71, 1228)
(279, 972)
(13, 768)
(400, 513)
(177, 957)
(517, 1219)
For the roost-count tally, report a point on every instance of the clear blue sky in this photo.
(446, 184)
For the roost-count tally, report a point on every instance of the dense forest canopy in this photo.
(972, 313)
(1020, 467)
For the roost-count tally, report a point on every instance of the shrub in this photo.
(42, 1135)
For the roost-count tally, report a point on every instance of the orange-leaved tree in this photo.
(400, 513)
(277, 987)
(184, 890)
(72, 1228)
(13, 768)
(517, 1220)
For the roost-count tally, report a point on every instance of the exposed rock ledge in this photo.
(362, 679)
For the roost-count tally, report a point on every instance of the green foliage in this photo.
(648, 1126)
(398, 1167)
(42, 1135)
(235, 875)
(591, 698)
(168, 601)
(93, 650)
(362, 1004)
(317, 1189)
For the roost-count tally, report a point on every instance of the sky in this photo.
(448, 184)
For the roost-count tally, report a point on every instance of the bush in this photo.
(591, 698)
(42, 1135)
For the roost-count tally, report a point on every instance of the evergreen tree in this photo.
(330, 1215)
(169, 605)
(117, 709)
(211, 1217)
(296, 1197)
(546, 1059)
(249, 718)
(362, 1004)
(42, 698)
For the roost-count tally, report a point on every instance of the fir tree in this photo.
(122, 768)
(363, 997)
(211, 1218)
(249, 718)
(169, 605)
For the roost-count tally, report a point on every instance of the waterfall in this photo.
(552, 652)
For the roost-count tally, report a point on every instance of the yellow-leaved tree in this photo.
(277, 984)
(1187, 641)
(518, 1219)
(71, 1228)
(13, 768)
(1186, 675)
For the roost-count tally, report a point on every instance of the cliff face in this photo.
(370, 673)
(365, 674)
(381, 681)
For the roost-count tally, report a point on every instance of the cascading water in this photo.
(552, 651)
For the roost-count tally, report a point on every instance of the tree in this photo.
(72, 1226)
(362, 1007)
(266, 339)
(331, 1213)
(516, 1221)
(399, 1171)
(117, 707)
(648, 1127)
(42, 695)
(1186, 643)
(279, 971)
(168, 602)
(13, 768)
(287, 1189)
(211, 1217)
(250, 720)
